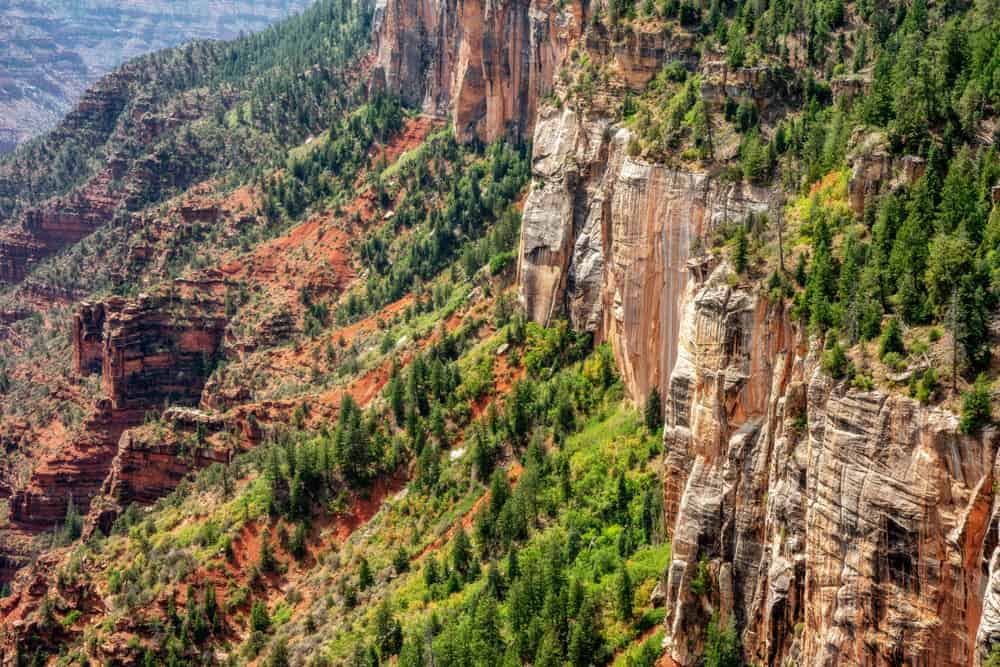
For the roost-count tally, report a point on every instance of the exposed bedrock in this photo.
(835, 526)
(151, 351)
(606, 239)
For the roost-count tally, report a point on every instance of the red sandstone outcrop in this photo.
(838, 526)
(74, 473)
(484, 63)
(150, 351)
(152, 460)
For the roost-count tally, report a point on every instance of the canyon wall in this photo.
(606, 239)
(483, 63)
(154, 350)
(488, 65)
(831, 525)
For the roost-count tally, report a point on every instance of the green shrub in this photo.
(976, 408)
(893, 361)
(701, 584)
(500, 262)
(835, 362)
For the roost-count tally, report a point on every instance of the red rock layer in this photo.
(151, 351)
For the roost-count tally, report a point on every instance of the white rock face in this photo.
(839, 526)
(606, 239)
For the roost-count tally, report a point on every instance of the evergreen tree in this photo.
(585, 639)
(211, 607)
(654, 411)
(279, 654)
(365, 577)
(461, 551)
(266, 562)
(976, 406)
(388, 638)
(624, 594)
(260, 621)
(722, 646)
(73, 523)
(891, 340)
(741, 250)
(298, 543)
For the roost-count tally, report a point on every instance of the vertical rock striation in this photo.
(486, 64)
(606, 239)
(836, 526)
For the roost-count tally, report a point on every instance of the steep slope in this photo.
(740, 216)
(54, 52)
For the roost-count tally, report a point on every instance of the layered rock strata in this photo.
(835, 526)
(151, 351)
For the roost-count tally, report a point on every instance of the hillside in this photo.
(54, 51)
(437, 333)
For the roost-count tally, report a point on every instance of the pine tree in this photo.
(494, 581)
(298, 543)
(210, 608)
(461, 551)
(388, 632)
(549, 650)
(401, 561)
(260, 621)
(976, 406)
(266, 562)
(431, 572)
(585, 639)
(279, 654)
(654, 411)
(73, 523)
(624, 594)
(722, 646)
(652, 515)
(891, 340)
(365, 577)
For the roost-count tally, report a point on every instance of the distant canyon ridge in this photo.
(53, 50)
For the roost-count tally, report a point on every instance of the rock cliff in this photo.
(150, 351)
(484, 63)
(832, 525)
(606, 239)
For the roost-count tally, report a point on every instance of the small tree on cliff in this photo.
(722, 648)
(654, 410)
(73, 523)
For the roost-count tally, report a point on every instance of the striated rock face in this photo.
(769, 89)
(150, 351)
(606, 240)
(147, 466)
(75, 472)
(55, 225)
(836, 526)
(484, 63)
